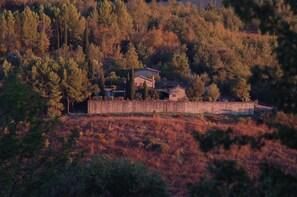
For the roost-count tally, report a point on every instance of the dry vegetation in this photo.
(165, 144)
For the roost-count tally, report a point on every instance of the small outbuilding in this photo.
(177, 93)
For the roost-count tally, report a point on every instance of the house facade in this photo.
(140, 80)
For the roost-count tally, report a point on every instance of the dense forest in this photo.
(68, 51)
(56, 54)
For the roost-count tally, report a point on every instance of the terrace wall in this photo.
(161, 106)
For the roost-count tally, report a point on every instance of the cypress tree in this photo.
(127, 95)
(132, 89)
(86, 39)
(101, 83)
(145, 91)
(65, 33)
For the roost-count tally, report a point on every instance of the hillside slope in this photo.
(165, 144)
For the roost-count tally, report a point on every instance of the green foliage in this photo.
(214, 138)
(31, 154)
(29, 28)
(196, 90)
(282, 25)
(228, 178)
(47, 83)
(116, 177)
(5, 69)
(212, 93)
(131, 58)
(241, 89)
(75, 84)
(179, 65)
(180, 39)
(105, 13)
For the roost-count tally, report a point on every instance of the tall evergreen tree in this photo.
(47, 83)
(127, 88)
(72, 83)
(131, 82)
(30, 28)
(105, 13)
(145, 91)
(123, 18)
(179, 64)
(131, 58)
(3, 33)
(86, 43)
(11, 37)
(75, 83)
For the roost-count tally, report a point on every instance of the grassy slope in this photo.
(165, 144)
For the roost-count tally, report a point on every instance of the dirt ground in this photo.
(165, 144)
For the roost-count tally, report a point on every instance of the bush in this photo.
(104, 177)
(196, 90)
(229, 179)
(213, 92)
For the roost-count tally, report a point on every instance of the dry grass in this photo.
(165, 144)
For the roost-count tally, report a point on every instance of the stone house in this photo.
(148, 72)
(140, 80)
(177, 93)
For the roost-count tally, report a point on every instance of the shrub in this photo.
(228, 179)
(213, 93)
(104, 177)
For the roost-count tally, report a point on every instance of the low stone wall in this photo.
(163, 106)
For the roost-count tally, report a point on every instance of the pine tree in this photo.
(3, 33)
(43, 42)
(76, 26)
(131, 58)
(196, 90)
(72, 83)
(28, 163)
(140, 13)
(179, 65)
(123, 18)
(11, 37)
(29, 28)
(241, 89)
(75, 83)
(105, 13)
(97, 75)
(47, 83)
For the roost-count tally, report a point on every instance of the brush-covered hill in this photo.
(166, 144)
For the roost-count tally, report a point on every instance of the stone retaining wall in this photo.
(162, 106)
